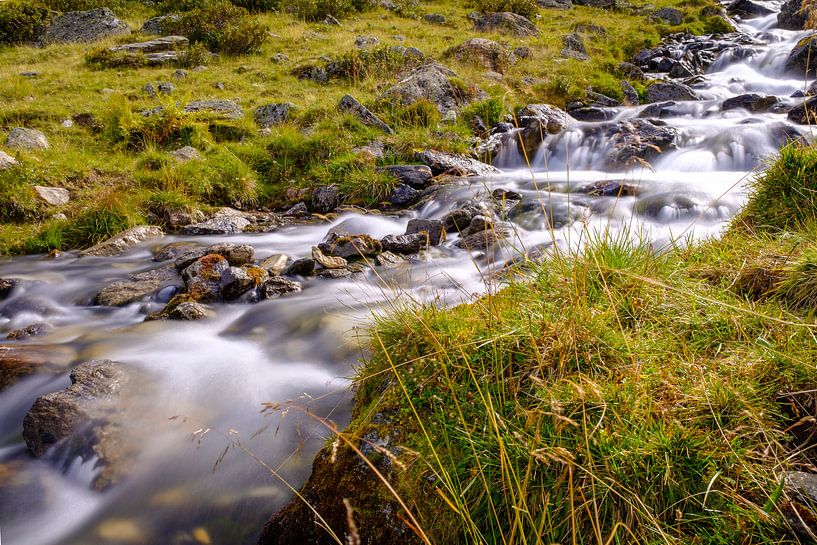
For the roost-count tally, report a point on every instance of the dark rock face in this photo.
(535, 122)
(83, 418)
(350, 246)
(404, 244)
(416, 176)
(790, 16)
(447, 163)
(138, 286)
(324, 199)
(803, 57)
(592, 113)
(639, 139)
(805, 113)
(350, 104)
(6, 287)
(751, 102)
(800, 498)
(301, 267)
(404, 195)
(84, 26)
(506, 22)
(748, 9)
(433, 229)
(433, 82)
(457, 221)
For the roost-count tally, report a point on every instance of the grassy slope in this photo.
(614, 396)
(115, 186)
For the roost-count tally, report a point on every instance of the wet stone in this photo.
(349, 246)
(188, 311)
(235, 281)
(432, 228)
(235, 254)
(457, 220)
(325, 261)
(404, 244)
(404, 195)
(324, 199)
(30, 331)
(203, 278)
(335, 273)
(389, 259)
(301, 267)
(277, 286)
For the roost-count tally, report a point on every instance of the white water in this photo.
(215, 374)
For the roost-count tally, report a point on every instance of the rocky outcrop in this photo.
(84, 26)
(485, 53)
(138, 286)
(26, 139)
(435, 83)
(791, 16)
(507, 22)
(124, 241)
(459, 165)
(536, 121)
(84, 419)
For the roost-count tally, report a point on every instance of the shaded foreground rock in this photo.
(84, 419)
(124, 241)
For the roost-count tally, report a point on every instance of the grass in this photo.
(112, 152)
(605, 395)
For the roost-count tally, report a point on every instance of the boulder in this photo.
(84, 26)
(433, 82)
(84, 419)
(791, 17)
(157, 25)
(275, 264)
(203, 278)
(482, 52)
(639, 139)
(805, 113)
(222, 223)
(301, 267)
(460, 165)
(235, 254)
(277, 286)
(573, 47)
(188, 310)
(416, 176)
(349, 104)
(235, 281)
(751, 102)
(671, 16)
(158, 45)
(555, 4)
(592, 114)
(53, 196)
(324, 199)
(404, 195)
(663, 91)
(7, 285)
(481, 240)
(365, 42)
(404, 244)
(435, 18)
(507, 22)
(187, 153)
(138, 286)
(535, 122)
(349, 246)
(21, 360)
(26, 139)
(749, 9)
(7, 161)
(803, 57)
(457, 221)
(270, 115)
(220, 108)
(433, 229)
(124, 241)
(335, 273)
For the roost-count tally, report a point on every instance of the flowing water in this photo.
(215, 374)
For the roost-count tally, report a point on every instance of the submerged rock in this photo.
(124, 241)
(20, 360)
(33, 330)
(639, 139)
(83, 419)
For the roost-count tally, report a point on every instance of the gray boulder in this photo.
(482, 52)
(187, 311)
(663, 91)
(53, 196)
(187, 153)
(277, 286)
(124, 241)
(416, 176)
(324, 199)
(7, 161)
(433, 229)
(791, 17)
(805, 113)
(157, 25)
(235, 281)
(639, 139)
(18, 361)
(220, 224)
(270, 115)
(574, 47)
(507, 22)
(138, 286)
(349, 104)
(349, 246)
(404, 244)
(803, 57)
(459, 165)
(26, 139)
(537, 121)
(435, 18)
(671, 16)
(433, 82)
(84, 26)
(235, 254)
(404, 195)
(158, 45)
